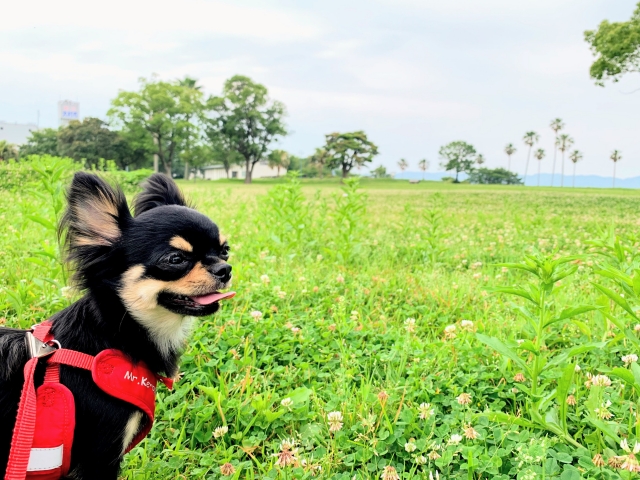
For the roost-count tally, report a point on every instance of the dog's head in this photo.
(165, 263)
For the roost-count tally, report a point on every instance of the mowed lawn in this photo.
(352, 348)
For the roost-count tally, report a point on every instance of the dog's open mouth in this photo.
(193, 305)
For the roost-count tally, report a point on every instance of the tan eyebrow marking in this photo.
(181, 244)
(222, 239)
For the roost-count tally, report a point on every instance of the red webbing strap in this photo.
(71, 358)
(25, 427)
(41, 331)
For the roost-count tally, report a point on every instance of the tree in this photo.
(90, 141)
(7, 150)
(530, 139)
(615, 157)
(556, 125)
(424, 166)
(159, 114)
(279, 159)
(539, 155)
(319, 159)
(616, 47)
(497, 176)
(196, 157)
(563, 143)
(509, 150)
(402, 164)
(575, 157)
(458, 156)
(380, 172)
(348, 150)
(480, 159)
(189, 82)
(41, 142)
(248, 119)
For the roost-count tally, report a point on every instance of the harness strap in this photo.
(23, 436)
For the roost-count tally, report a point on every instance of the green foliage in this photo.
(24, 174)
(158, 117)
(345, 151)
(279, 159)
(90, 140)
(41, 142)
(8, 151)
(246, 119)
(371, 299)
(457, 156)
(497, 176)
(616, 47)
(380, 172)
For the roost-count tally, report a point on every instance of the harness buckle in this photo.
(36, 348)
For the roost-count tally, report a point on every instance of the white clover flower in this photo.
(600, 381)
(466, 324)
(264, 278)
(287, 403)
(630, 358)
(410, 446)
(450, 329)
(624, 445)
(335, 421)
(431, 477)
(464, 399)
(420, 460)
(220, 431)
(577, 369)
(340, 279)
(256, 314)
(425, 411)
(410, 325)
(282, 294)
(637, 327)
(455, 439)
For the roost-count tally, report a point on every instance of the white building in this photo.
(260, 170)
(16, 133)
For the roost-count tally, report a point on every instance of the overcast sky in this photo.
(414, 74)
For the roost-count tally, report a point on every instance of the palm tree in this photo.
(509, 150)
(575, 157)
(480, 159)
(424, 166)
(615, 156)
(402, 164)
(556, 126)
(530, 139)
(278, 159)
(539, 155)
(193, 84)
(563, 142)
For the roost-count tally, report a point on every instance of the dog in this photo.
(144, 277)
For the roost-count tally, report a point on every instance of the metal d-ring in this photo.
(37, 348)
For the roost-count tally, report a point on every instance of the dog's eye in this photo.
(175, 259)
(224, 252)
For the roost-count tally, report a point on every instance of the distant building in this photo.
(260, 170)
(16, 133)
(67, 111)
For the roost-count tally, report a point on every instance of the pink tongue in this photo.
(213, 297)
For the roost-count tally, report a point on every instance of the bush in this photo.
(27, 172)
(496, 176)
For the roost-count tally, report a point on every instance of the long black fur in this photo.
(100, 319)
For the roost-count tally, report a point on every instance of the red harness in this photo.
(44, 453)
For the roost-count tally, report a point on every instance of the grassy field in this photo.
(377, 332)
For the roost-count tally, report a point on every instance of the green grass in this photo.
(335, 275)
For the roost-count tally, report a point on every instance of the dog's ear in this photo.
(157, 191)
(95, 213)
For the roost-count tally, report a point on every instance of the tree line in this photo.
(175, 127)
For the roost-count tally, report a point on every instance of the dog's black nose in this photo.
(222, 272)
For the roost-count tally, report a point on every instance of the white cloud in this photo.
(386, 106)
(166, 17)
